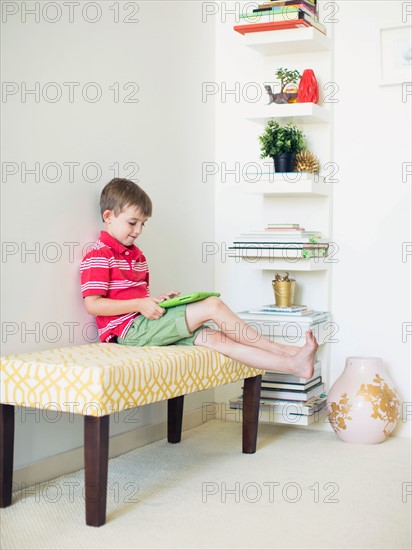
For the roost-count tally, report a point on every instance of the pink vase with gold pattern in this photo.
(363, 406)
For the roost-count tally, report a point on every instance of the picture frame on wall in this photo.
(396, 55)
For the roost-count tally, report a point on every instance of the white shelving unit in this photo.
(299, 198)
(278, 264)
(293, 112)
(304, 188)
(288, 41)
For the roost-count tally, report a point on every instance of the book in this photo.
(280, 239)
(275, 3)
(291, 225)
(284, 377)
(271, 3)
(296, 248)
(284, 309)
(273, 384)
(277, 12)
(291, 314)
(281, 229)
(282, 232)
(304, 20)
(267, 414)
(307, 408)
(278, 251)
(269, 254)
(292, 236)
(293, 395)
(292, 331)
(275, 25)
(315, 23)
(278, 318)
(281, 13)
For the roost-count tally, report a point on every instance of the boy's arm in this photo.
(98, 305)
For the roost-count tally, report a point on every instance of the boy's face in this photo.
(126, 226)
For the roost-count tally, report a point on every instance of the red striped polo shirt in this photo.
(117, 272)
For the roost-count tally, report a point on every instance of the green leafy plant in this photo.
(287, 77)
(277, 139)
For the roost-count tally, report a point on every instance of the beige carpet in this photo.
(300, 490)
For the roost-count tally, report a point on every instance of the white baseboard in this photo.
(72, 461)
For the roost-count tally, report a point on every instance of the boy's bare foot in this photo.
(291, 350)
(304, 359)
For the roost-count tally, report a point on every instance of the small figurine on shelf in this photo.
(288, 87)
(308, 91)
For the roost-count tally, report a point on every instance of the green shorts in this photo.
(171, 328)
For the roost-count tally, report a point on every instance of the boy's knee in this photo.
(209, 337)
(214, 303)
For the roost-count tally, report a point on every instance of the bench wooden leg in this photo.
(96, 462)
(6, 453)
(251, 407)
(174, 419)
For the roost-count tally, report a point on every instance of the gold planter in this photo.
(284, 292)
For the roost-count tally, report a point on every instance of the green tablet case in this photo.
(187, 299)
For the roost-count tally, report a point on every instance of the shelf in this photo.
(305, 47)
(280, 264)
(297, 184)
(288, 41)
(294, 112)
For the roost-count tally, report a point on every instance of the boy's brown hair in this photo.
(120, 193)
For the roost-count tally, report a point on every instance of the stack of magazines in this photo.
(280, 14)
(288, 325)
(281, 241)
(288, 399)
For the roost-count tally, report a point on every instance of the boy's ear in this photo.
(107, 216)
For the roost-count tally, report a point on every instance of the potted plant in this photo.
(281, 143)
(284, 289)
(287, 78)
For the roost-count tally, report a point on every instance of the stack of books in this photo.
(273, 320)
(281, 14)
(288, 325)
(288, 399)
(288, 313)
(281, 241)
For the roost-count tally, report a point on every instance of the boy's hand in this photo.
(167, 296)
(149, 308)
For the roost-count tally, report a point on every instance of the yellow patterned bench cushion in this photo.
(99, 379)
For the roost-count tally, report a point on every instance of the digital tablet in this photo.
(187, 299)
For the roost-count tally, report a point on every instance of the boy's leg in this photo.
(300, 364)
(213, 309)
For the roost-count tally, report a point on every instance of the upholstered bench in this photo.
(97, 380)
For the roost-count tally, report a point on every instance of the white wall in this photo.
(167, 134)
(371, 283)
(371, 210)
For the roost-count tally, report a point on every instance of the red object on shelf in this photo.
(308, 91)
(271, 26)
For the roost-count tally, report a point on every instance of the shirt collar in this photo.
(118, 247)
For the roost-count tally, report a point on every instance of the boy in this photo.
(115, 288)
